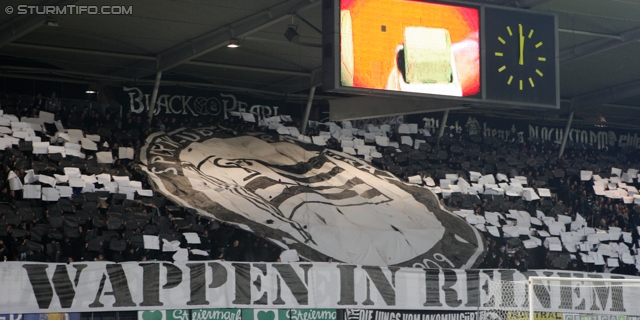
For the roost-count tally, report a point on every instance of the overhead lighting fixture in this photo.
(89, 91)
(233, 43)
(292, 33)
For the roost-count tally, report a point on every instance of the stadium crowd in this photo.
(103, 226)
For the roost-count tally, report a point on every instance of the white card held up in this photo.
(105, 157)
(57, 149)
(65, 192)
(50, 194)
(151, 242)
(564, 219)
(93, 137)
(144, 192)
(192, 237)
(290, 255)
(586, 175)
(349, 150)
(30, 177)
(170, 246)
(555, 247)
(104, 178)
(14, 181)
(125, 153)
(72, 172)
(87, 144)
(61, 178)
(529, 194)
(181, 255)
(129, 191)
(626, 236)
(199, 252)
(32, 192)
(544, 193)
(429, 181)
(406, 140)
(493, 231)
(76, 183)
(616, 172)
(40, 147)
(47, 117)
(415, 179)
(75, 135)
(47, 180)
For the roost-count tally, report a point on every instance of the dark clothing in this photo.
(234, 253)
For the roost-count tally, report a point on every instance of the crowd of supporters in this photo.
(87, 227)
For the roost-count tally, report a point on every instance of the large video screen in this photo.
(410, 46)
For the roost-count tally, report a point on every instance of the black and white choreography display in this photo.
(301, 196)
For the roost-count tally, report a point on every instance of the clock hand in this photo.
(521, 46)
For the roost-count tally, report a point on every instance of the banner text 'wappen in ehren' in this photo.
(98, 286)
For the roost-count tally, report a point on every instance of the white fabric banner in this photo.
(30, 287)
(310, 200)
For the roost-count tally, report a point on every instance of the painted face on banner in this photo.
(319, 202)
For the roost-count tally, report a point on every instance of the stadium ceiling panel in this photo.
(598, 40)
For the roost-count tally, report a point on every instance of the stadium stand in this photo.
(581, 208)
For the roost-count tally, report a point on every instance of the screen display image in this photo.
(410, 46)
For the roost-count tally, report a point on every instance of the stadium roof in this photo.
(599, 48)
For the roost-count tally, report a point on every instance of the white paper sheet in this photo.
(199, 252)
(72, 172)
(50, 194)
(32, 192)
(47, 117)
(616, 172)
(76, 183)
(290, 255)
(105, 157)
(181, 255)
(65, 192)
(585, 175)
(170, 246)
(14, 181)
(40, 147)
(151, 242)
(47, 180)
(61, 178)
(145, 193)
(87, 144)
(192, 237)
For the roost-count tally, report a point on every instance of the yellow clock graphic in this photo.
(528, 54)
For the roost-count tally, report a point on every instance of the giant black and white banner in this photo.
(299, 196)
(102, 286)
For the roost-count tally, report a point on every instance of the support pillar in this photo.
(443, 124)
(307, 111)
(566, 134)
(154, 94)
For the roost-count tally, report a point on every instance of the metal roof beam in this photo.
(598, 46)
(151, 58)
(526, 4)
(606, 95)
(204, 44)
(22, 25)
